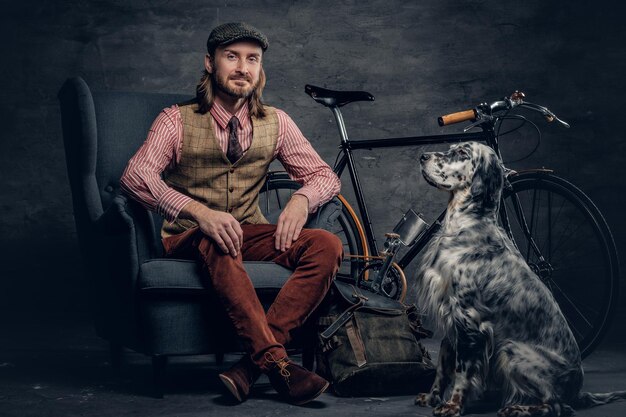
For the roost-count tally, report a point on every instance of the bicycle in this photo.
(553, 223)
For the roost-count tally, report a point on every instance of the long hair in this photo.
(205, 95)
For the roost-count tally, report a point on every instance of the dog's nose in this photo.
(424, 157)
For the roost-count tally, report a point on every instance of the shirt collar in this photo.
(223, 116)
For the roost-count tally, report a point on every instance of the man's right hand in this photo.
(222, 227)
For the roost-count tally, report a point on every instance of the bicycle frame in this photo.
(518, 199)
(347, 146)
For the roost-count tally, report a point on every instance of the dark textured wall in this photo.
(419, 59)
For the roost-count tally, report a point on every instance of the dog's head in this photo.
(466, 166)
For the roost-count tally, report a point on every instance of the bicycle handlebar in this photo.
(458, 117)
(483, 113)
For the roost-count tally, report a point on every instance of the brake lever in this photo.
(473, 125)
(481, 117)
(549, 116)
(552, 117)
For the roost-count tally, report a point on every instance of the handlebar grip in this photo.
(461, 116)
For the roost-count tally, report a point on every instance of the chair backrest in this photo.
(101, 132)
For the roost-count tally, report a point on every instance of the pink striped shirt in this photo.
(162, 149)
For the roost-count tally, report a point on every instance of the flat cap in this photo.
(231, 32)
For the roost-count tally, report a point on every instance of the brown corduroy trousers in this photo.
(314, 257)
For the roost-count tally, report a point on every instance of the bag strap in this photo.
(415, 322)
(344, 317)
(358, 347)
(341, 320)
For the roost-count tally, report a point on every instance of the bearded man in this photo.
(202, 167)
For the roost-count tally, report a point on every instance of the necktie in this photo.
(234, 151)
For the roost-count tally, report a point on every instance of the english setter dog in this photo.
(502, 328)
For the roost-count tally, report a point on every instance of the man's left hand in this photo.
(291, 221)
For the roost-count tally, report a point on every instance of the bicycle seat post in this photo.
(334, 99)
(340, 124)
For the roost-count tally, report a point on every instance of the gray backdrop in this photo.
(419, 59)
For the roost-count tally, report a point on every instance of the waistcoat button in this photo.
(231, 189)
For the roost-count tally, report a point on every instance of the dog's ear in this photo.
(487, 181)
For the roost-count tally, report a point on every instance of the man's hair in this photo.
(205, 95)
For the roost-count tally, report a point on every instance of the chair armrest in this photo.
(326, 216)
(127, 217)
(115, 272)
(117, 218)
(117, 242)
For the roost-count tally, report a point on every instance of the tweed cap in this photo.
(231, 32)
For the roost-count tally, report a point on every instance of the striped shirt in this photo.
(163, 146)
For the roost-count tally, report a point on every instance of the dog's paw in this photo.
(510, 411)
(527, 410)
(422, 399)
(425, 399)
(449, 409)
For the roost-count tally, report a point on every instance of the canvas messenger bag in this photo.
(368, 345)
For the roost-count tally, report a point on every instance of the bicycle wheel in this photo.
(571, 250)
(276, 193)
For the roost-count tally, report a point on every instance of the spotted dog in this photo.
(502, 328)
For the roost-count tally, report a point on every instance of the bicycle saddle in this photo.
(331, 98)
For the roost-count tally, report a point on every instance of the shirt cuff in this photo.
(312, 195)
(171, 203)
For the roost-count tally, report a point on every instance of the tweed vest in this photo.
(205, 174)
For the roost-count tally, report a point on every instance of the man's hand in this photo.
(291, 221)
(218, 225)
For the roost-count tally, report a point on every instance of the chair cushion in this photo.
(161, 274)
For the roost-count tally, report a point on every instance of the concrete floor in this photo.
(60, 368)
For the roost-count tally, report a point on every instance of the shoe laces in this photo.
(281, 363)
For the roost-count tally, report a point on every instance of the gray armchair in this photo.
(141, 301)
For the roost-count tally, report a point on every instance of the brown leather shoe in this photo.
(240, 378)
(294, 383)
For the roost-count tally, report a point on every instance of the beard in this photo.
(236, 92)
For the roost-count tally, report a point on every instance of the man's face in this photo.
(236, 68)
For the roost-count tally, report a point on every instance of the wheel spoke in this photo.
(532, 223)
(570, 302)
(574, 268)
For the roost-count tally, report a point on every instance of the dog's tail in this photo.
(588, 400)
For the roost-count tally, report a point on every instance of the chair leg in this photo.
(159, 363)
(116, 352)
(219, 358)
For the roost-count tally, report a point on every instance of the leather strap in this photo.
(358, 347)
(342, 319)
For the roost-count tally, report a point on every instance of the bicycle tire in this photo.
(277, 191)
(576, 242)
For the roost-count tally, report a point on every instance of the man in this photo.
(202, 167)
